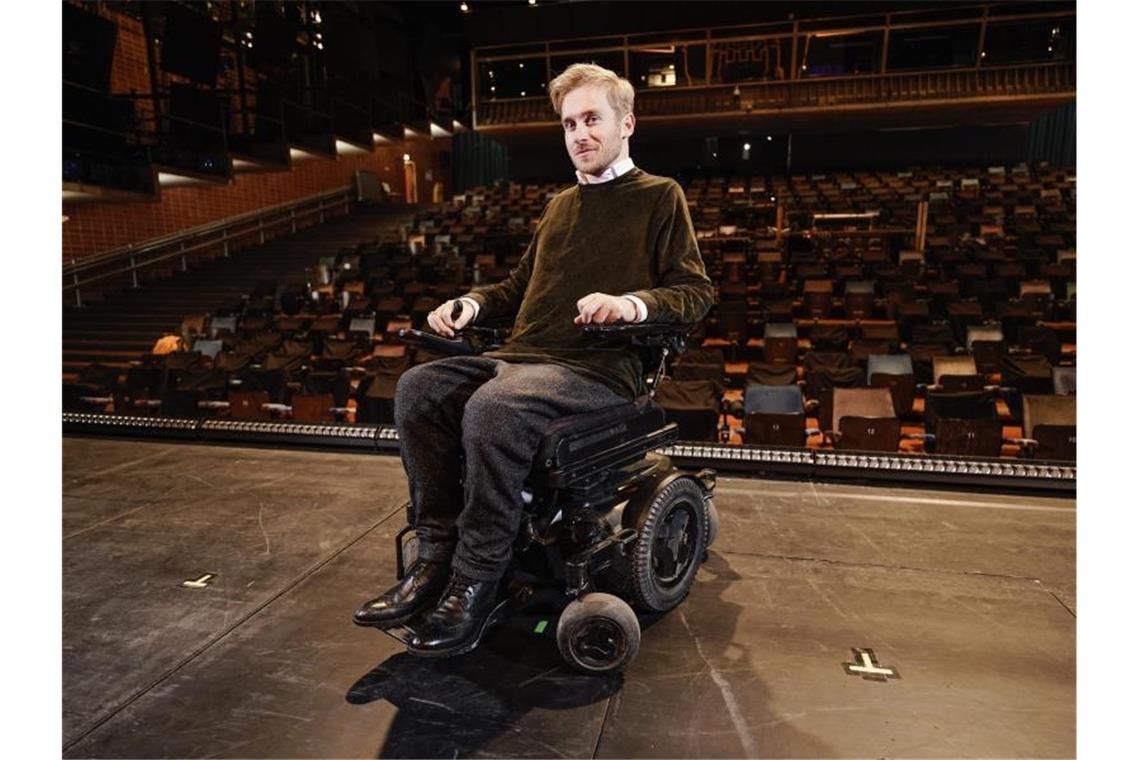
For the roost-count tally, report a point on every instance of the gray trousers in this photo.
(493, 413)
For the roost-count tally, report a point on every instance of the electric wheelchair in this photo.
(608, 524)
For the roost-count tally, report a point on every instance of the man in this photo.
(618, 246)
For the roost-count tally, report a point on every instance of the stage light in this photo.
(463, 7)
(407, 158)
(769, 138)
(748, 146)
(532, 3)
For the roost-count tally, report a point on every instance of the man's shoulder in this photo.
(656, 191)
(654, 180)
(564, 193)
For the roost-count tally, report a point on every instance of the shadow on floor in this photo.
(455, 706)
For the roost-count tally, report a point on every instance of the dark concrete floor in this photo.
(972, 598)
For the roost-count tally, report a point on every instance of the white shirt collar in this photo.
(615, 170)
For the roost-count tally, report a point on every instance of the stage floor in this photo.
(969, 598)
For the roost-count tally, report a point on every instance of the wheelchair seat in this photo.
(582, 444)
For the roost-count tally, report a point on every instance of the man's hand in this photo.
(604, 309)
(440, 318)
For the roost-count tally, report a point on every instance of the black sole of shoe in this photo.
(492, 619)
(391, 623)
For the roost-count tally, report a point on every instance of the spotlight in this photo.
(532, 2)
(769, 138)
(748, 146)
(407, 158)
(463, 7)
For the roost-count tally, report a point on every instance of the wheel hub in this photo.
(599, 642)
(673, 544)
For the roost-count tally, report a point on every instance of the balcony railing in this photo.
(131, 264)
(874, 89)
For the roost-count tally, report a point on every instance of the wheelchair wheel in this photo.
(669, 546)
(598, 633)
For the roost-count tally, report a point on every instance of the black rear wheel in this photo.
(669, 546)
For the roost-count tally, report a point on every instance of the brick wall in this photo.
(93, 227)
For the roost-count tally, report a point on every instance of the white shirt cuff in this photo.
(642, 309)
(474, 305)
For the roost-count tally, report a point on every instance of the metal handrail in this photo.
(133, 259)
(785, 93)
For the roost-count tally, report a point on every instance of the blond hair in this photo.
(619, 92)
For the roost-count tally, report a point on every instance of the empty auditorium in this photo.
(574, 378)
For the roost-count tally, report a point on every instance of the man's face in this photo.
(595, 136)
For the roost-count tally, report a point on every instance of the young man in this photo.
(618, 246)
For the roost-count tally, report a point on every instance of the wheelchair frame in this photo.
(591, 492)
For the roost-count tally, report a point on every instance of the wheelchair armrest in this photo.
(451, 346)
(651, 334)
(470, 341)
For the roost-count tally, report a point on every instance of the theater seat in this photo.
(1051, 422)
(774, 415)
(863, 419)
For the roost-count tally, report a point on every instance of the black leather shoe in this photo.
(420, 586)
(467, 609)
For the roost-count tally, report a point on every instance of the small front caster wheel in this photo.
(598, 633)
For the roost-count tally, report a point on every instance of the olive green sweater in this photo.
(632, 235)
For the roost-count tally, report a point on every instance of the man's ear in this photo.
(627, 124)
